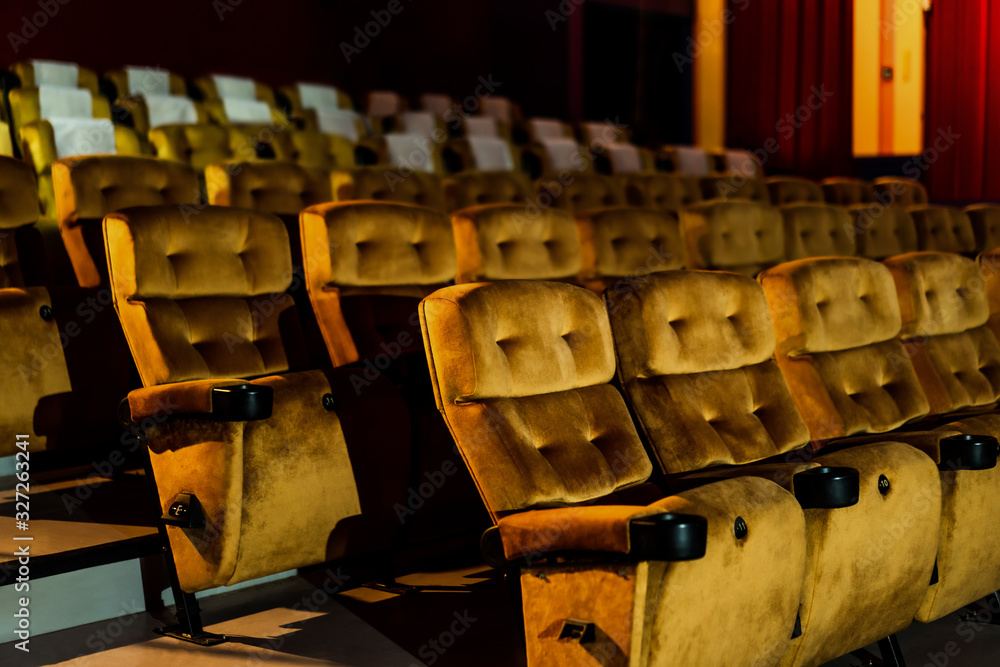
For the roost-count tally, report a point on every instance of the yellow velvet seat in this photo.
(479, 154)
(203, 303)
(989, 264)
(216, 87)
(688, 160)
(133, 85)
(84, 76)
(388, 184)
(580, 192)
(516, 242)
(406, 152)
(837, 325)
(793, 189)
(844, 191)
(817, 230)
(195, 145)
(943, 229)
(367, 265)
(985, 220)
(521, 374)
(733, 186)
(695, 363)
(282, 188)
(670, 192)
(556, 158)
(882, 231)
(895, 191)
(89, 187)
(307, 100)
(740, 236)
(473, 188)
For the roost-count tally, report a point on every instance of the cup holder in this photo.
(668, 537)
(827, 487)
(968, 452)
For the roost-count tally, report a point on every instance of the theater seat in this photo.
(622, 245)
(368, 264)
(989, 265)
(670, 192)
(514, 242)
(894, 191)
(733, 186)
(479, 153)
(985, 220)
(153, 97)
(317, 150)
(792, 190)
(202, 301)
(882, 231)
(388, 184)
(34, 73)
(695, 362)
(521, 373)
(817, 230)
(580, 192)
(216, 87)
(943, 229)
(89, 187)
(737, 162)
(556, 157)
(688, 160)
(837, 326)
(406, 152)
(321, 107)
(194, 145)
(281, 188)
(844, 191)
(740, 236)
(473, 188)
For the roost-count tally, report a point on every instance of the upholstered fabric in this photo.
(561, 154)
(989, 263)
(882, 231)
(629, 242)
(943, 228)
(902, 192)
(196, 145)
(88, 188)
(200, 294)
(474, 188)
(479, 153)
(583, 191)
(388, 184)
(816, 230)
(520, 371)
(271, 186)
(316, 150)
(730, 186)
(670, 192)
(847, 191)
(511, 241)
(944, 310)
(985, 220)
(547, 128)
(836, 321)
(219, 86)
(739, 236)
(688, 160)
(793, 189)
(56, 73)
(18, 199)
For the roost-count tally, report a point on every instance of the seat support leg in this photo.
(891, 655)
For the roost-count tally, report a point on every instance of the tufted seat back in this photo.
(514, 242)
(943, 228)
(836, 323)
(733, 186)
(201, 296)
(18, 213)
(847, 191)
(521, 372)
(793, 189)
(882, 231)
(817, 230)
(944, 311)
(195, 145)
(740, 236)
(89, 187)
(624, 241)
(904, 192)
(388, 184)
(695, 360)
(281, 188)
(670, 192)
(585, 191)
(474, 188)
(985, 220)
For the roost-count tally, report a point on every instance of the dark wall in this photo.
(429, 45)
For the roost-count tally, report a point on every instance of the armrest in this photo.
(962, 445)
(641, 533)
(218, 400)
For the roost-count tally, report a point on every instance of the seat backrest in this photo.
(733, 186)
(540, 129)
(689, 160)
(33, 73)
(388, 184)
(88, 188)
(579, 192)
(601, 134)
(695, 360)
(360, 256)
(438, 104)
(202, 296)
(222, 86)
(670, 192)
(793, 189)
(741, 162)
(629, 242)
(194, 145)
(18, 211)
(740, 236)
(520, 371)
(561, 155)
(989, 265)
(382, 103)
(985, 220)
(275, 187)
(844, 191)
(882, 231)
(836, 324)
(146, 81)
(474, 188)
(409, 152)
(500, 108)
(944, 310)
(479, 153)
(515, 242)
(894, 191)
(943, 228)
(817, 230)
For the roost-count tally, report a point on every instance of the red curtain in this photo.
(961, 133)
(789, 83)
